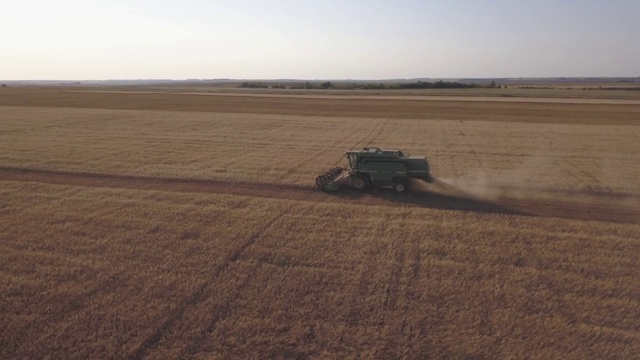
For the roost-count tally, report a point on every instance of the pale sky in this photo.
(323, 39)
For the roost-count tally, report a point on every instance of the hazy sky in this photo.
(324, 39)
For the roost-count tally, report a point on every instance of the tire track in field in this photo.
(411, 294)
(392, 292)
(338, 143)
(370, 137)
(69, 307)
(389, 325)
(571, 204)
(355, 311)
(202, 292)
(585, 174)
(221, 313)
(355, 145)
(473, 149)
(580, 175)
(380, 125)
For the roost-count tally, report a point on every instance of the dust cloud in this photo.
(477, 190)
(526, 178)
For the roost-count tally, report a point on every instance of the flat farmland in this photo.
(164, 225)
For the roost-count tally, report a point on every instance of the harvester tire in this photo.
(400, 187)
(361, 182)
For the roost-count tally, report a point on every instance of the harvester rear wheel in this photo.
(400, 187)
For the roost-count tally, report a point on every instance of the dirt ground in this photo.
(548, 110)
(593, 205)
(146, 224)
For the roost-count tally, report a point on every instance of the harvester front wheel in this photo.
(361, 182)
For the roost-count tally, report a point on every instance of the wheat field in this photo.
(154, 225)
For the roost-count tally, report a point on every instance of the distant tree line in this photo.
(254, 85)
(433, 85)
(305, 85)
(370, 85)
(612, 88)
(419, 85)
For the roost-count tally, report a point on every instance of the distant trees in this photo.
(363, 85)
(254, 85)
(436, 85)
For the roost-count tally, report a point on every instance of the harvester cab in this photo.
(376, 167)
(353, 159)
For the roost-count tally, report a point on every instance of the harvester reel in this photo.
(328, 176)
(321, 180)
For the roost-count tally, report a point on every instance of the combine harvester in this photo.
(376, 167)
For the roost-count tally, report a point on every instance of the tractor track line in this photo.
(201, 293)
(222, 312)
(88, 179)
(533, 204)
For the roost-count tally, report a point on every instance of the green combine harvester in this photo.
(376, 167)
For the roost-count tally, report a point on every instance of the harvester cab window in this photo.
(353, 161)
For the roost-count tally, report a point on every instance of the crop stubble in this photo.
(144, 233)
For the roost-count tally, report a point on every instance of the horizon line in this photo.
(322, 79)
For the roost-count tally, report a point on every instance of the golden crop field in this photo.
(163, 225)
